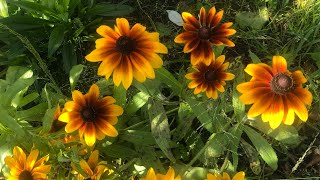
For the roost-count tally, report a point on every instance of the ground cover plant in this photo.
(159, 89)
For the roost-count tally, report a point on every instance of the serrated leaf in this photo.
(160, 127)
(217, 146)
(201, 112)
(137, 101)
(254, 20)
(55, 39)
(265, 150)
(236, 132)
(104, 9)
(74, 75)
(165, 76)
(185, 119)
(175, 17)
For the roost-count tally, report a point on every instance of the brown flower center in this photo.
(282, 83)
(210, 76)
(25, 175)
(88, 114)
(125, 45)
(204, 33)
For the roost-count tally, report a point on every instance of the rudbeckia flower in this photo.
(94, 117)
(127, 53)
(210, 78)
(93, 169)
(199, 35)
(276, 93)
(151, 175)
(225, 176)
(27, 167)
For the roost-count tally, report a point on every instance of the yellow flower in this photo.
(27, 168)
(93, 169)
(201, 34)
(209, 78)
(276, 93)
(151, 175)
(225, 176)
(127, 53)
(94, 117)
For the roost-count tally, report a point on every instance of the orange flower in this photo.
(225, 176)
(201, 34)
(275, 93)
(92, 169)
(94, 117)
(127, 53)
(27, 167)
(210, 78)
(151, 175)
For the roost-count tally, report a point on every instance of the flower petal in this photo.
(73, 125)
(279, 64)
(253, 95)
(261, 105)
(185, 37)
(107, 32)
(258, 72)
(191, 45)
(247, 86)
(86, 168)
(136, 31)
(126, 69)
(239, 176)
(276, 111)
(70, 116)
(297, 105)
(211, 14)
(190, 19)
(140, 62)
(203, 16)
(298, 78)
(114, 110)
(78, 98)
(107, 128)
(93, 159)
(108, 65)
(90, 134)
(31, 160)
(216, 19)
(123, 26)
(304, 95)
(289, 115)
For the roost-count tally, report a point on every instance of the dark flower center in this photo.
(125, 45)
(25, 175)
(282, 83)
(88, 114)
(210, 76)
(204, 33)
(88, 178)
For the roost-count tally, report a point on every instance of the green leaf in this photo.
(74, 75)
(217, 146)
(238, 106)
(48, 119)
(165, 76)
(201, 112)
(69, 56)
(196, 173)
(120, 151)
(28, 99)
(120, 94)
(254, 58)
(55, 39)
(138, 137)
(265, 150)
(35, 7)
(3, 8)
(236, 132)
(11, 123)
(286, 134)
(137, 101)
(24, 23)
(160, 127)
(185, 119)
(104, 9)
(29, 114)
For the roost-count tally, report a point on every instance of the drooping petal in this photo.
(289, 115)
(126, 69)
(207, 53)
(107, 128)
(304, 95)
(276, 111)
(117, 75)
(226, 42)
(73, 125)
(297, 105)
(108, 65)
(140, 62)
(298, 78)
(90, 134)
(279, 64)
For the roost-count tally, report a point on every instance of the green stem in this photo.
(29, 46)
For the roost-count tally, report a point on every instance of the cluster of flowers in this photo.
(132, 53)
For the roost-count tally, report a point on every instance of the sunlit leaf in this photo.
(138, 137)
(165, 76)
(265, 150)
(160, 127)
(74, 75)
(137, 101)
(55, 39)
(11, 123)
